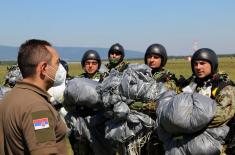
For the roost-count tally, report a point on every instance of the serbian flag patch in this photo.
(41, 123)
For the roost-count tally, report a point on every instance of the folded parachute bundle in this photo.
(138, 84)
(81, 92)
(113, 95)
(124, 131)
(117, 92)
(182, 124)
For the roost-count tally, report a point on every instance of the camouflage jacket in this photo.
(120, 67)
(167, 78)
(97, 77)
(222, 90)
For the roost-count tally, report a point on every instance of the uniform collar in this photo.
(204, 81)
(26, 85)
(157, 70)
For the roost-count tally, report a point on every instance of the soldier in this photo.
(116, 55)
(207, 81)
(156, 58)
(30, 123)
(91, 63)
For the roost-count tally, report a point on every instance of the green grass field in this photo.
(177, 66)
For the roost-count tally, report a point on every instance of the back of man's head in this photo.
(30, 54)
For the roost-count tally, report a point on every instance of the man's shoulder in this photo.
(18, 97)
(229, 89)
(165, 75)
(122, 66)
(222, 82)
(167, 72)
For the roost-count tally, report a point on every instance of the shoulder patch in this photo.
(41, 123)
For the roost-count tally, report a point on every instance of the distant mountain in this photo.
(67, 53)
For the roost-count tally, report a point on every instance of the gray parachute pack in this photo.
(182, 122)
(13, 74)
(115, 123)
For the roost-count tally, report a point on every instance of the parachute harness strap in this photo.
(134, 147)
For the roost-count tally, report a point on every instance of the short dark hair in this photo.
(30, 54)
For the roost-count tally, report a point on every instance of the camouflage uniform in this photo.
(97, 77)
(120, 67)
(220, 88)
(167, 78)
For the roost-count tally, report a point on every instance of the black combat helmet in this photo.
(91, 55)
(65, 65)
(208, 55)
(157, 49)
(117, 48)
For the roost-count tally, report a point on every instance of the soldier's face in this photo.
(154, 61)
(202, 68)
(115, 55)
(91, 66)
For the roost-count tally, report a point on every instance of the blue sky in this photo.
(178, 25)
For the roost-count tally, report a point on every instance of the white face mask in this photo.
(60, 75)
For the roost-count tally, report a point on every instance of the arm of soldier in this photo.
(171, 84)
(225, 106)
(38, 130)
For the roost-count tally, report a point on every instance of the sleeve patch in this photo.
(43, 126)
(41, 123)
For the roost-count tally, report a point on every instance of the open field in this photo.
(177, 66)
